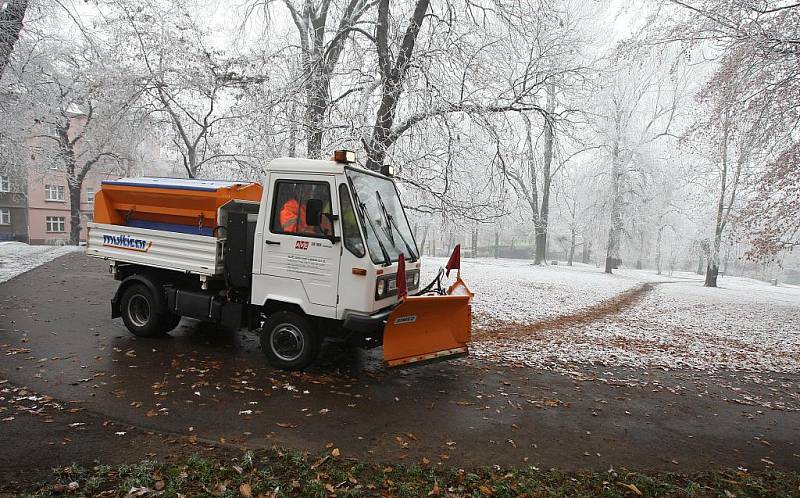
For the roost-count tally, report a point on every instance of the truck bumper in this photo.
(366, 323)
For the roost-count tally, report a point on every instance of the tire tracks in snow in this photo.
(584, 316)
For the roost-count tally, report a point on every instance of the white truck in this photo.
(312, 252)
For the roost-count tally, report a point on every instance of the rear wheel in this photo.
(140, 311)
(289, 340)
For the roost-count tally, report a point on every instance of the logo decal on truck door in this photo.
(301, 244)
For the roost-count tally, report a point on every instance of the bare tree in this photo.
(638, 108)
(180, 79)
(322, 41)
(756, 48)
(12, 15)
(76, 116)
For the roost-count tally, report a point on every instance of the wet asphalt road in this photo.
(57, 338)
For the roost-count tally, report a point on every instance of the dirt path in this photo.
(56, 338)
(584, 316)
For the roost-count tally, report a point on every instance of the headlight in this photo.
(416, 278)
(381, 287)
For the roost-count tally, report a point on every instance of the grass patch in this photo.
(275, 473)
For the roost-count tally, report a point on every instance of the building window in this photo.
(55, 224)
(54, 192)
(5, 185)
(90, 194)
(5, 216)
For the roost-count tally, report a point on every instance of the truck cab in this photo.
(314, 251)
(338, 258)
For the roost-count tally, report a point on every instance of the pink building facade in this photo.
(34, 198)
(49, 206)
(48, 201)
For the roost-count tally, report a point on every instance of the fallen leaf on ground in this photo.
(632, 487)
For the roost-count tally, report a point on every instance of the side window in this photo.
(350, 233)
(289, 208)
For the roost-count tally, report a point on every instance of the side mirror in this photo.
(313, 212)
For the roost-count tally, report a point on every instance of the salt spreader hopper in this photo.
(324, 250)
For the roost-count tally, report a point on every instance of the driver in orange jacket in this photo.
(293, 215)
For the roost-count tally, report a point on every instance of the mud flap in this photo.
(427, 328)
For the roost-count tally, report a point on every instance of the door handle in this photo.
(272, 243)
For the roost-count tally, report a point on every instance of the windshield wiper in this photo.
(361, 206)
(391, 223)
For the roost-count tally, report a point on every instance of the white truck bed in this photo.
(198, 254)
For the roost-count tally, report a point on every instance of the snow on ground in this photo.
(18, 257)
(743, 325)
(515, 290)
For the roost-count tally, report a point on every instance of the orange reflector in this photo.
(359, 271)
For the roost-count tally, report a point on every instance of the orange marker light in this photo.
(344, 156)
(359, 271)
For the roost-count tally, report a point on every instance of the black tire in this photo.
(290, 341)
(139, 311)
(169, 322)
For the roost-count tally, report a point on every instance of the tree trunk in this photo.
(474, 242)
(658, 250)
(392, 79)
(74, 187)
(496, 244)
(540, 242)
(615, 227)
(712, 270)
(190, 162)
(571, 249)
(424, 239)
(11, 18)
(315, 116)
(541, 224)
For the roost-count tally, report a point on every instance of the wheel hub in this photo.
(139, 310)
(286, 342)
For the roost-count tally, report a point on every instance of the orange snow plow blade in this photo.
(427, 328)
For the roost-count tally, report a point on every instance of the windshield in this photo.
(382, 217)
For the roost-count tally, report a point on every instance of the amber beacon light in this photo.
(344, 156)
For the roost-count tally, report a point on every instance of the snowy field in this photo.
(745, 325)
(18, 257)
(514, 290)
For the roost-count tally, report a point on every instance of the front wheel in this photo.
(289, 341)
